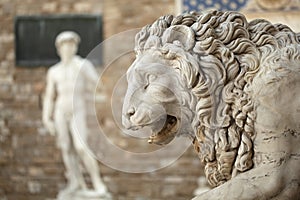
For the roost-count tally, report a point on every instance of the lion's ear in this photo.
(179, 35)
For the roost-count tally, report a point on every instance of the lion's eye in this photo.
(151, 78)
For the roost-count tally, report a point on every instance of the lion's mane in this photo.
(218, 69)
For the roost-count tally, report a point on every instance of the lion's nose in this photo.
(126, 118)
(130, 112)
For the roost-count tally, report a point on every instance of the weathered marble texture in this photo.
(230, 85)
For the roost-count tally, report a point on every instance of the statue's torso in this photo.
(69, 86)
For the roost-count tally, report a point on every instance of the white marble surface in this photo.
(64, 115)
(230, 85)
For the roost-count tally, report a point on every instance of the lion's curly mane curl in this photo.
(229, 49)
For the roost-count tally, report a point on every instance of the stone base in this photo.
(84, 195)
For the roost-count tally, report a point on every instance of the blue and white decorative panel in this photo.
(200, 5)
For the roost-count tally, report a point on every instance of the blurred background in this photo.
(31, 166)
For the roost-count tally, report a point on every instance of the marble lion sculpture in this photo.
(230, 85)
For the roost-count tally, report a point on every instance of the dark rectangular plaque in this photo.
(35, 37)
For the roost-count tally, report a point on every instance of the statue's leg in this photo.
(261, 183)
(73, 175)
(291, 191)
(79, 134)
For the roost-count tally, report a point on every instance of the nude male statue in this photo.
(64, 113)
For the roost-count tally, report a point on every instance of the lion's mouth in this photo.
(167, 133)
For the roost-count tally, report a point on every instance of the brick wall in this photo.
(30, 164)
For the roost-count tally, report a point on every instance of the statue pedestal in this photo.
(83, 195)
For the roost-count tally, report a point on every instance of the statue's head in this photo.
(157, 95)
(67, 44)
(153, 98)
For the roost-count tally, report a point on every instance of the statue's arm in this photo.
(48, 103)
(90, 72)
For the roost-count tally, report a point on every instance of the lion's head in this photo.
(157, 98)
(192, 76)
